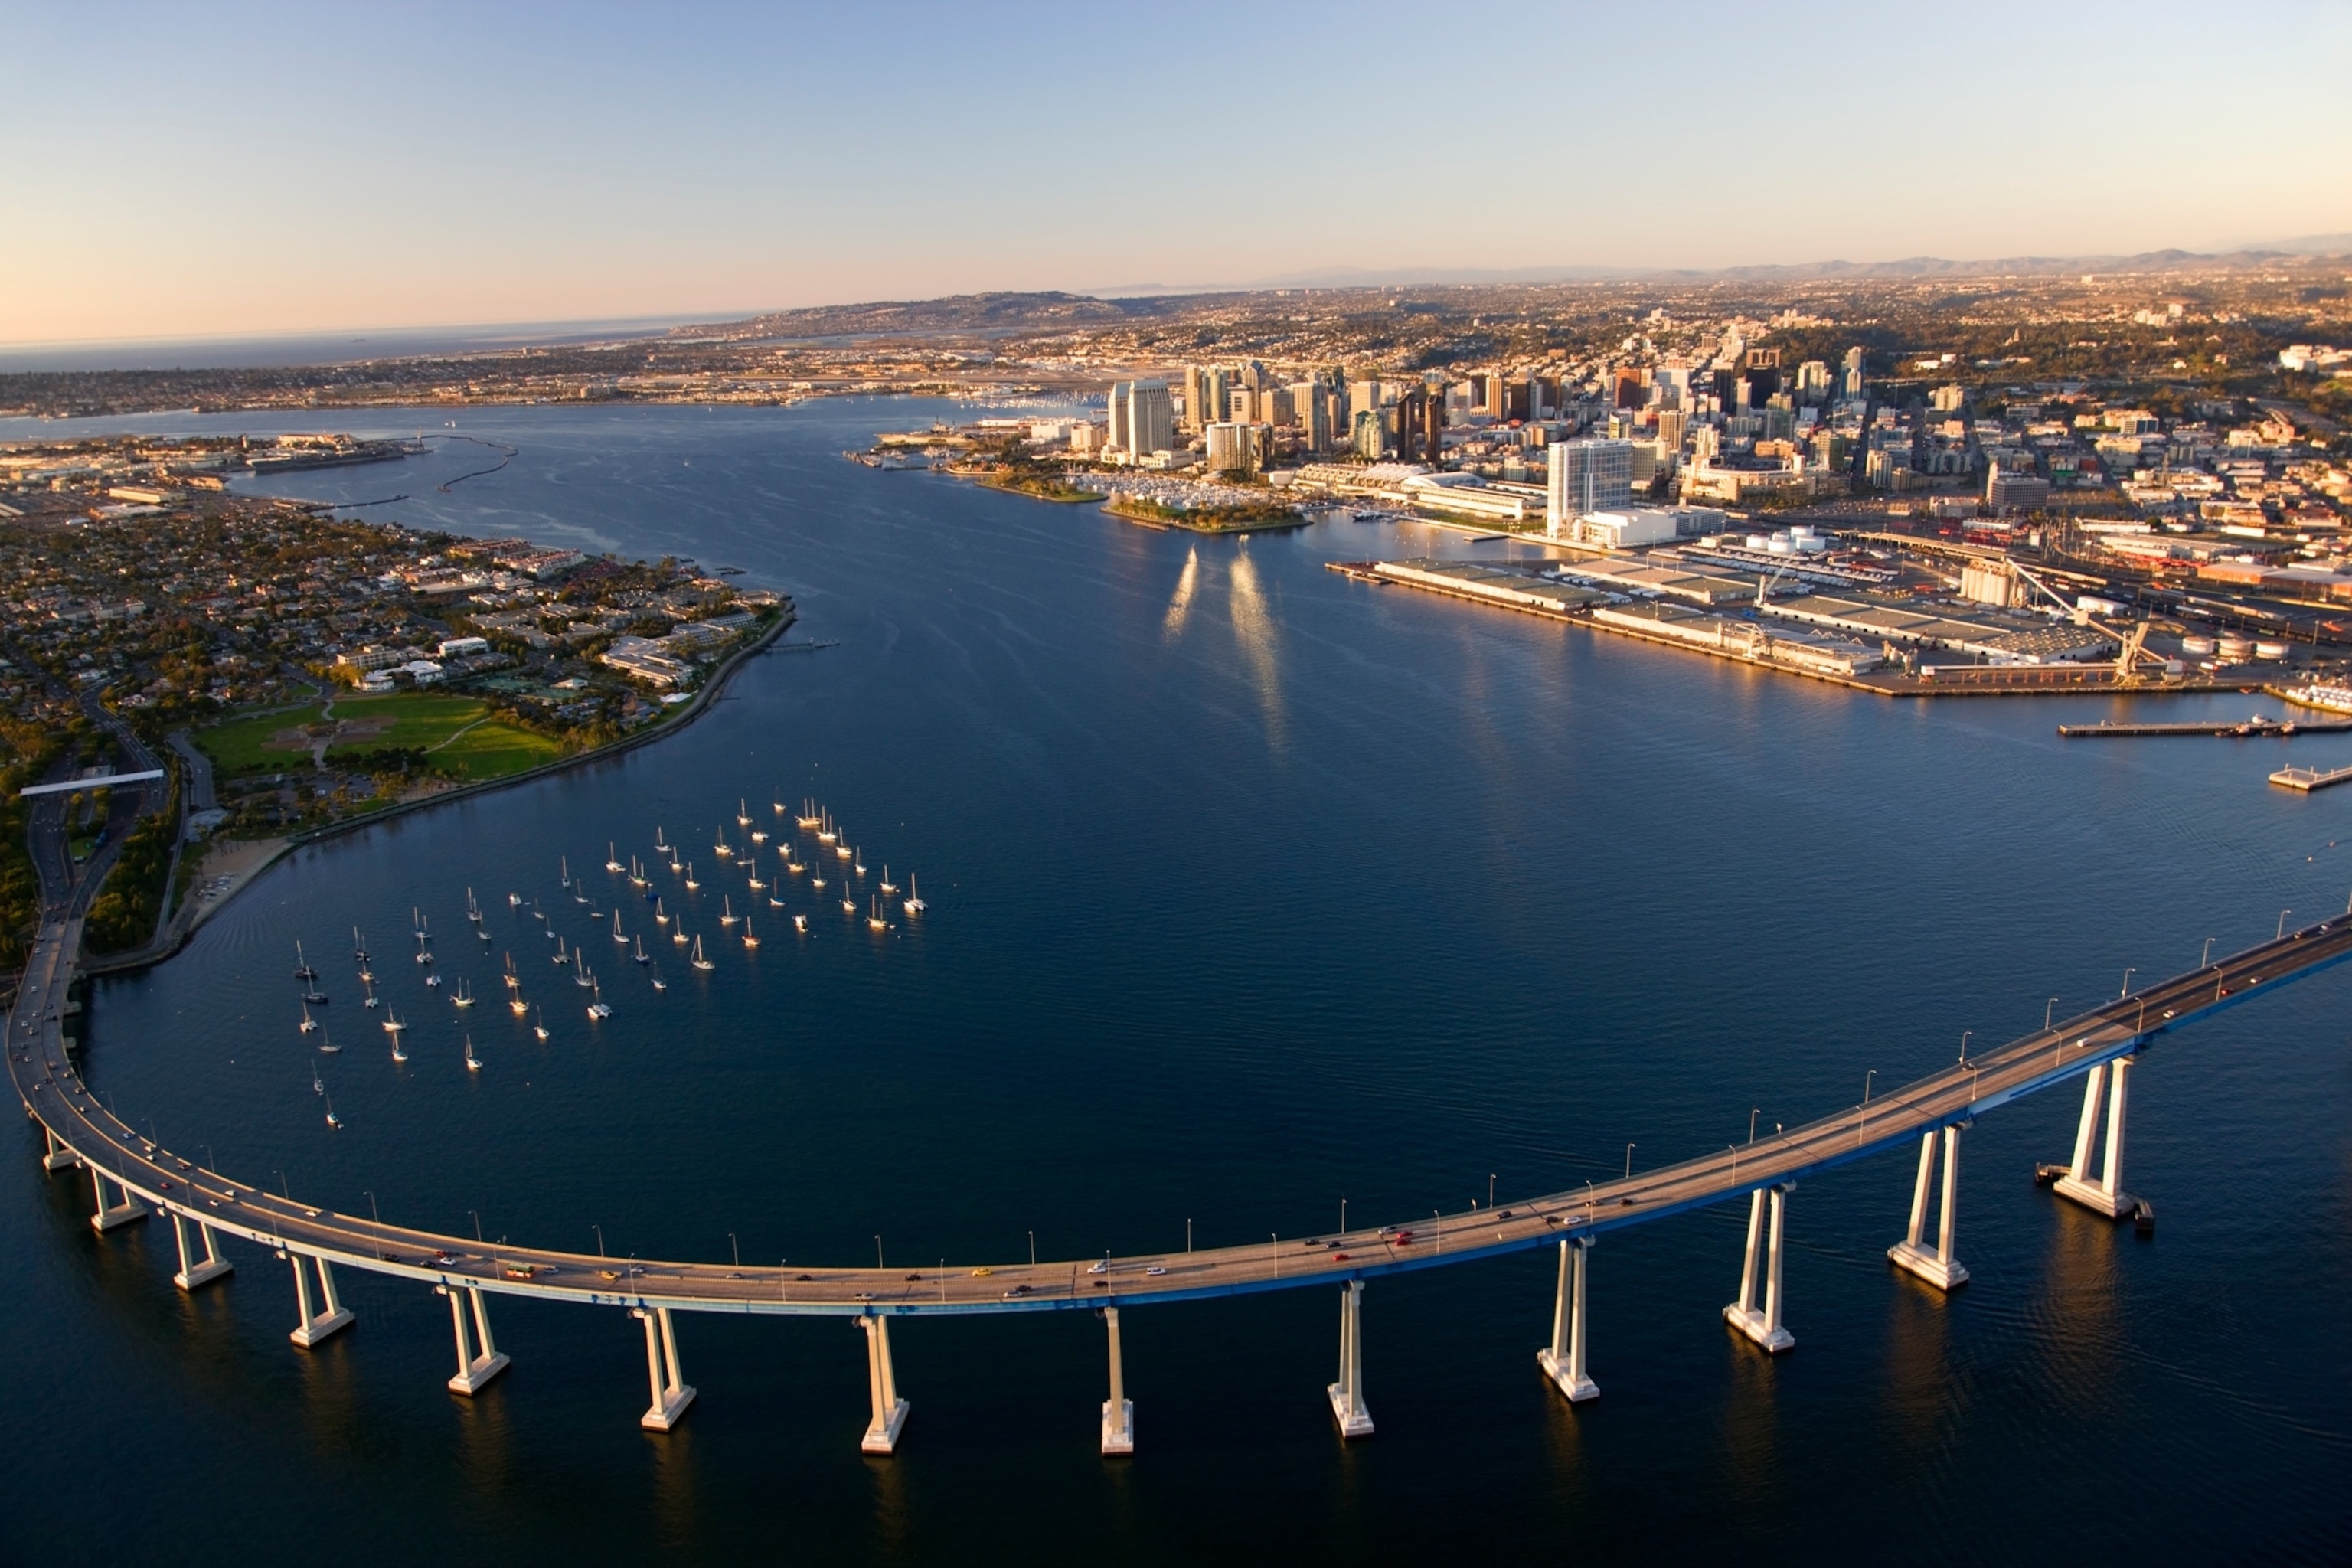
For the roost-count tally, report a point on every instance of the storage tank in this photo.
(2196, 648)
(2233, 646)
(2267, 650)
(1757, 542)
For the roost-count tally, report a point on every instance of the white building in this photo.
(1589, 475)
(1625, 530)
(1142, 417)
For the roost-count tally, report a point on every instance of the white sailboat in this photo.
(359, 946)
(473, 1062)
(699, 960)
(617, 929)
(563, 864)
(612, 856)
(514, 981)
(517, 1005)
(844, 852)
(679, 936)
(727, 915)
(800, 924)
(514, 900)
(640, 953)
(392, 1024)
(888, 887)
(302, 969)
(464, 996)
(749, 939)
(659, 848)
(433, 980)
(690, 883)
(637, 874)
(583, 977)
(756, 884)
(914, 904)
(538, 1025)
(742, 813)
(659, 983)
(561, 956)
(809, 817)
(309, 1023)
(816, 878)
(848, 902)
(316, 1085)
(398, 1054)
(373, 1001)
(856, 864)
(599, 1008)
(661, 915)
(328, 1048)
(775, 902)
(332, 1120)
(874, 921)
(758, 836)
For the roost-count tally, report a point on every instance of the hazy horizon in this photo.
(263, 170)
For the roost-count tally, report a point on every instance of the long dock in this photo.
(132, 1178)
(2255, 727)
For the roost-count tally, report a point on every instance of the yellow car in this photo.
(982, 1273)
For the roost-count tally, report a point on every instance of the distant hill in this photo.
(979, 315)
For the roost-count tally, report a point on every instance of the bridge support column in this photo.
(1935, 1264)
(1763, 1249)
(882, 1381)
(1347, 1395)
(192, 1273)
(331, 1318)
(479, 1358)
(671, 1394)
(57, 1157)
(2105, 1195)
(1119, 1410)
(108, 1217)
(1563, 1359)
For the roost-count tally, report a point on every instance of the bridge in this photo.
(132, 1178)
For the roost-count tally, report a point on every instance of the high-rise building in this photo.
(1233, 447)
(1278, 405)
(1586, 477)
(1316, 415)
(1204, 397)
(1421, 416)
(1370, 439)
(1762, 374)
(1856, 362)
(1813, 383)
(1142, 417)
(1670, 430)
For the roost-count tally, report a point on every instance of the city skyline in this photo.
(386, 169)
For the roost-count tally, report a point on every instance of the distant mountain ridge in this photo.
(982, 314)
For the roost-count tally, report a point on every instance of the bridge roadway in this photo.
(165, 1182)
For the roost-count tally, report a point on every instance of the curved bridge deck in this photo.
(168, 1184)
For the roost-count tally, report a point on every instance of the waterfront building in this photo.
(1370, 435)
(1588, 476)
(1204, 397)
(1142, 417)
(1235, 448)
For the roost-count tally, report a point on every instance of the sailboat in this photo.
(808, 818)
(742, 813)
(690, 883)
(659, 848)
(366, 973)
(700, 962)
(514, 981)
(309, 1023)
(473, 1062)
(749, 939)
(757, 886)
(816, 878)
(848, 902)
(636, 873)
(784, 853)
(640, 955)
(563, 863)
(433, 980)
(561, 956)
(599, 1008)
(659, 983)
(584, 976)
(778, 806)
(855, 864)
(517, 1005)
(874, 921)
(392, 1024)
(800, 924)
(845, 852)
(424, 953)
(679, 936)
(483, 930)
(302, 969)
(758, 836)
(318, 1085)
(473, 910)
(514, 900)
(612, 856)
(661, 916)
(465, 995)
(539, 1024)
(374, 1001)
(398, 1055)
(332, 1120)
(328, 1048)
(914, 904)
(887, 884)
(727, 915)
(826, 833)
(617, 929)
(359, 945)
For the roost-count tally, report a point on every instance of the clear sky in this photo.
(183, 169)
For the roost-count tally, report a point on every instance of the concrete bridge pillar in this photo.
(192, 1274)
(2105, 1195)
(332, 1316)
(57, 1157)
(1935, 1264)
(1119, 1410)
(882, 1381)
(480, 1361)
(109, 1216)
(1763, 1255)
(1563, 1359)
(663, 1380)
(1347, 1395)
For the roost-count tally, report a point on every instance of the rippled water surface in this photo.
(1253, 889)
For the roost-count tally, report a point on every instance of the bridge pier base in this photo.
(1119, 1410)
(331, 1318)
(192, 1274)
(2106, 1194)
(59, 1157)
(1564, 1358)
(124, 1212)
(671, 1394)
(1763, 1326)
(479, 1358)
(1347, 1395)
(1935, 1264)
(882, 1382)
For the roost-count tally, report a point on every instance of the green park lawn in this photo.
(462, 734)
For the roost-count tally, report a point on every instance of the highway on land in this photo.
(52, 1091)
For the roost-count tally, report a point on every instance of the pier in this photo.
(2251, 727)
(131, 1178)
(2306, 780)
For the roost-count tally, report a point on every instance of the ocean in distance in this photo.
(1253, 889)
